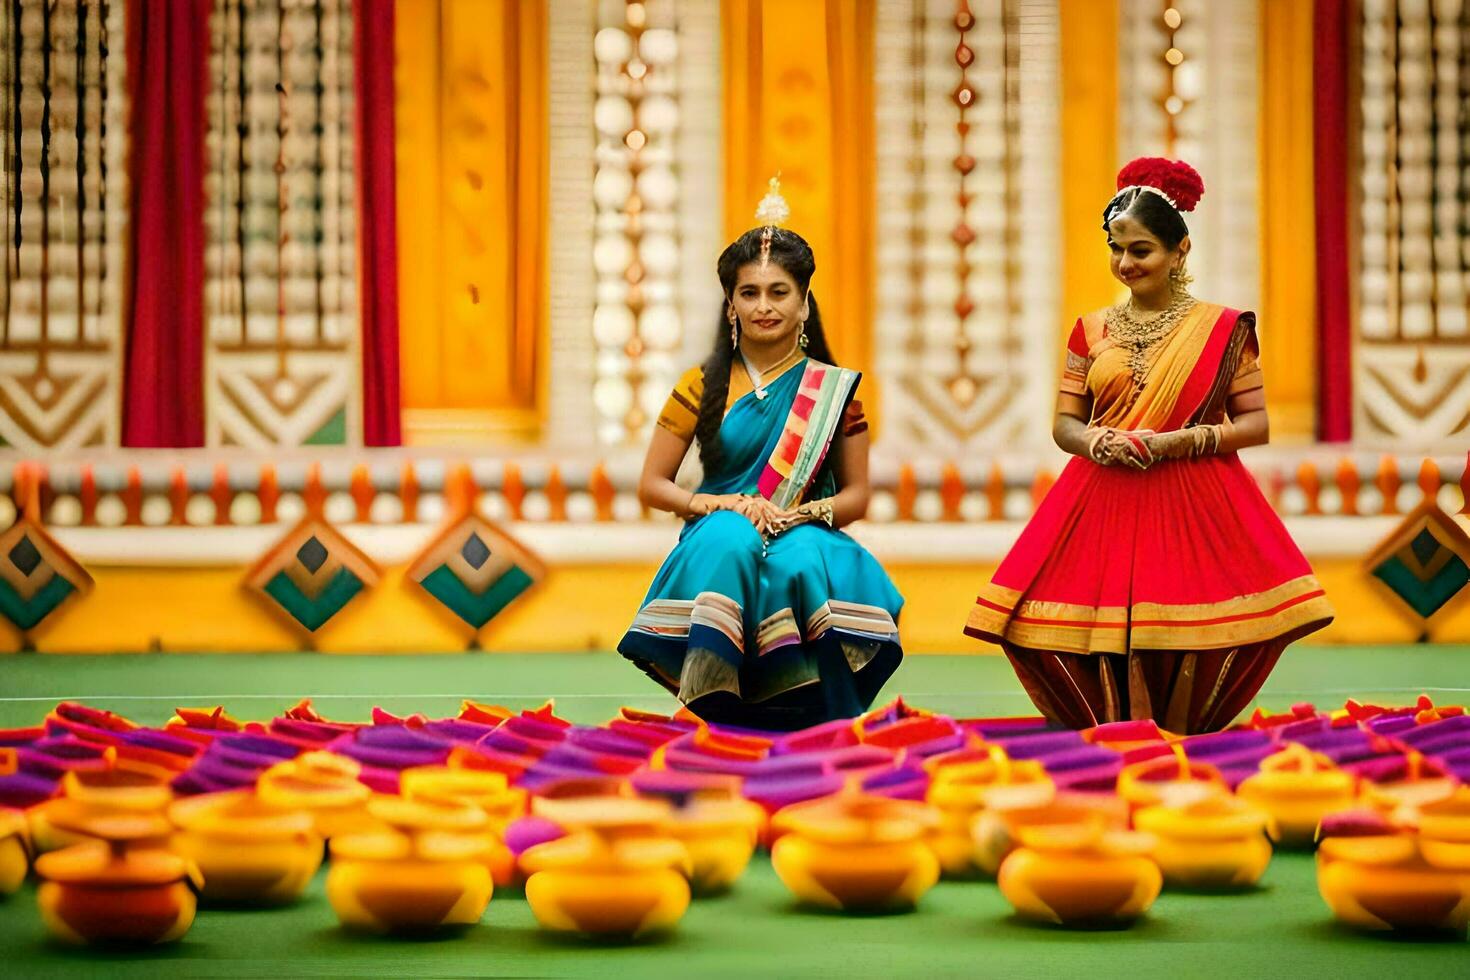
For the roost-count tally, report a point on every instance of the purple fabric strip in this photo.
(25, 789)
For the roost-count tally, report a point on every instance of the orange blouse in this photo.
(681, 411)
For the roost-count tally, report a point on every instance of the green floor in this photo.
(590, 687)
(961, 928)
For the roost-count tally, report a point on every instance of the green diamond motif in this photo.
(36, 574)
(313, 612)
(1425, 598)
(475, 609)
(26, 613)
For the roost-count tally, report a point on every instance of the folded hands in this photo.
(767, 518)
(1140, 449)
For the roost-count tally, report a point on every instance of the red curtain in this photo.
(377, 227)
(1333, 63)
(168, 70)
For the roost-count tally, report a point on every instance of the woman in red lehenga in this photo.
(1154, 580)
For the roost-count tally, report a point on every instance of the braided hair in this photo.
(791, 252)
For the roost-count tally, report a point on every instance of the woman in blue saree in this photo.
(765, 614)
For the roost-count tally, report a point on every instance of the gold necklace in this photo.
(755, 375)
(1139, 333)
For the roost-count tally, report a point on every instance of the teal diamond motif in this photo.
(1425, 562)
(1425, 596)
(313, 612)
(36, 574)
(476, 609)
(311, 573)
(26, 613)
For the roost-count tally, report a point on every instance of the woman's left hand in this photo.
(785, 520)
(1170, 445)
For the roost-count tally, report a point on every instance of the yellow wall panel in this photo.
(133, 609)
(420, 254)
(1089, 147)
(1287, 219)
(472, 185)
(798, 99)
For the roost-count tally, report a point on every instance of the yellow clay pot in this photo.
(959, 792)
(617, 873)
(246, 851)
(1080, 873)
(994, 830)
(1215, 841)
(117, 887)
(1297, 788)
(88, 794)
(588, 883)
(490, 791)
(857, 852)
(1395, 881)
(15, 851)
(426, 872)
(325, 785)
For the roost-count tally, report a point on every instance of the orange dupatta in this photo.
(1188, 375)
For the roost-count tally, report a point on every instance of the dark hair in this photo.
(1150, 210)
(791, 252)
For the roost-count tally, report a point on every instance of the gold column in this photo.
(1089, 164)
(1288, 246)
(798, 79)
(472, 176)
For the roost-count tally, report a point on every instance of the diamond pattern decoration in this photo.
(312, 573)
(36, 574)
(475, 552)
(474, 569)
(25, 556)
(1425, 562)
(312, 554)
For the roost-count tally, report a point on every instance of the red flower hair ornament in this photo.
(1173, 180)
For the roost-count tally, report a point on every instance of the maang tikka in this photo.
(771, 212)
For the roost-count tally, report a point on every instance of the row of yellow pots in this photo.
(433, 856)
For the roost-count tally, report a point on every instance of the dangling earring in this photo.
(734, 329)
(1179, 279)
(803, 340)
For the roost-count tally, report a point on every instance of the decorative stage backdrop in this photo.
(343, 323)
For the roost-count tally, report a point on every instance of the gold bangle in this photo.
(820, 510)
(1200, 435)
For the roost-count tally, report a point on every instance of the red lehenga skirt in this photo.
(1167, 593)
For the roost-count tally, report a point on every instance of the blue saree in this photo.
(780, 634)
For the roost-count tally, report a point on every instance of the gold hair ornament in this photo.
(772, 212)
